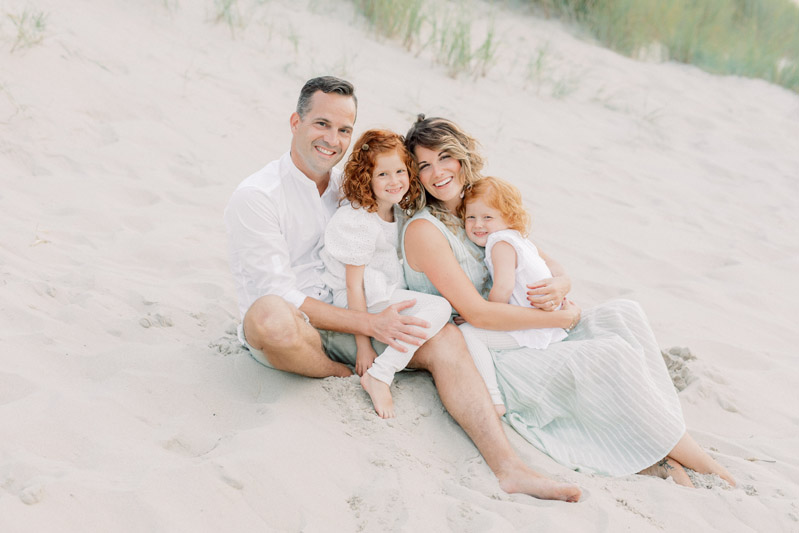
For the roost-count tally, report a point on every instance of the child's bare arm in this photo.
(503, 259)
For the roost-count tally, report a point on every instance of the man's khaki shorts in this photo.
(338, 346)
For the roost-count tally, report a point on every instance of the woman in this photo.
(600, 401)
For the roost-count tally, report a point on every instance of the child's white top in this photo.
(358, 237)
(530, 267)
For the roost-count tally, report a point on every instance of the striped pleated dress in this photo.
(600, 401)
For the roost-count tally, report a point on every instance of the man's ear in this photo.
(294, 121)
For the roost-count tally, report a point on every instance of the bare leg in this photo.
(465, 396)
(691, 455)
(500, 409)
(669, 468)
(278, 329)
(380, 394)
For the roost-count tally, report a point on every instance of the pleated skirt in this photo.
(600, 401)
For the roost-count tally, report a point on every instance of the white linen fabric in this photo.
(275, 222)
(530, 267)
(434, 309)
(354, 236)
(600, 401)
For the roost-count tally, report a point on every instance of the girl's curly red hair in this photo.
(502, 196)
(357, 183)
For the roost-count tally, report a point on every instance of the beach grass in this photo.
(30, 24)
(395, 19)
(228, 12)
(444, 28)
(752, 38)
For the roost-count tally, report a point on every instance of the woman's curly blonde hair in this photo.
(444, 135)
(357, 183)
(500, 195)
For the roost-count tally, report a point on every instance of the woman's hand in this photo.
(574, 311)
(549, 293)
(364, 359)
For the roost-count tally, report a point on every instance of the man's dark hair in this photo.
(326, 84)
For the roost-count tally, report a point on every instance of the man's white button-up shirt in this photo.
(275, 224)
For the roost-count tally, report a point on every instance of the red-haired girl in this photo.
(362, 265)
(495, 218)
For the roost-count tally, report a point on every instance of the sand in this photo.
(125, 401)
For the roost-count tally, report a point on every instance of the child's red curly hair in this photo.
(502, 196)
(357, 183)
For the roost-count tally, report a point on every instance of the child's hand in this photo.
(364, 359)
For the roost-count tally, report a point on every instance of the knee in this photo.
(271, 321)
(442, 309)
(626, 304)
(448, 348)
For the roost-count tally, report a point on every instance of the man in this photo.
(275, 221)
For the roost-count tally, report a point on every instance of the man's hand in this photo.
(549, 293)
(364, 359)
(389, 326)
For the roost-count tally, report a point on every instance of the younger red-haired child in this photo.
(362, 264)
(494, 217)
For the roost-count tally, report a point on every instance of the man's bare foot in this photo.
(523, 480)
(380, 395)
(500, 408)
(669, 468)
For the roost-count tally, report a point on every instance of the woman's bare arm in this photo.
(428, 251)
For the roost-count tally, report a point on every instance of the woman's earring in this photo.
(463, 192)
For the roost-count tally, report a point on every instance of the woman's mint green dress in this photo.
(600, 401)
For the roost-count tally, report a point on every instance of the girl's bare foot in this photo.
(380, 395)
(522, 479)
(500, 408)
(669, 468)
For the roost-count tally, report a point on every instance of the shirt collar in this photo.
(300, 176)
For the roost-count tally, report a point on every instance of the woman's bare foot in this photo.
(715, 468)
(669, 468)
(500, 408)
(687, 452)
(380, 395)
(523, 480)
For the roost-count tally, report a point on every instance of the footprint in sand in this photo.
(676, 359)
(157, 320)
(14, 387)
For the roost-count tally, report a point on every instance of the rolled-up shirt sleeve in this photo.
(259, 254)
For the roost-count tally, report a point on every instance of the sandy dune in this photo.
(125, 402)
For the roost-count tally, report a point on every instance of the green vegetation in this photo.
(753, 38)
(30, 25)
(227, 11)
(394, 18)
(444, 28)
